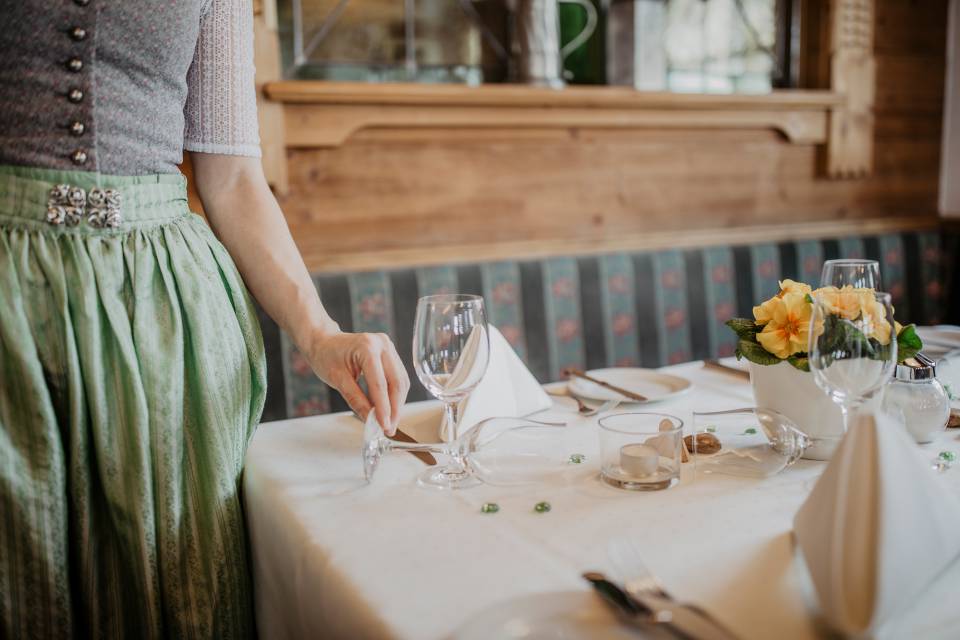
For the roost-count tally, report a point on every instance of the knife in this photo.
(627, 609)
(423, 456)
(719, 366)
(577, 373)
(687, 619)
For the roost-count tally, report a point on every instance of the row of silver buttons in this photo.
(75, 95)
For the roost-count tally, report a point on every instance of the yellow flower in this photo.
(847, 302)
(764, 312)
(875, 323)
(788, 331)
(791, 286)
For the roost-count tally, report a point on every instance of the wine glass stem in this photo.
(456, 464)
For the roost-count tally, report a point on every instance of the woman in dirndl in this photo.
(131, 361)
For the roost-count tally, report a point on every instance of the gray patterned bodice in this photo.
(95, 85)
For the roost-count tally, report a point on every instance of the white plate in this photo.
(653, 384)
(563, 615)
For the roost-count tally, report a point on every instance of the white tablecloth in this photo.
(335, 558)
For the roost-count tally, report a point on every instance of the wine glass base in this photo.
(439, 478)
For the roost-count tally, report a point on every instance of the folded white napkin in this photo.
(877, 528)
(507, 389)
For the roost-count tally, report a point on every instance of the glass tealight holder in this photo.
(640, 451)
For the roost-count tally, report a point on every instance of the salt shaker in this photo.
(916, 391)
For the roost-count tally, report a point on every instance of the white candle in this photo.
(639, 459)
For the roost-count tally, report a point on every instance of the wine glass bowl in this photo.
(850, 272)
(853, 349)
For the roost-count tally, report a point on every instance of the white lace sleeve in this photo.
(221, 107)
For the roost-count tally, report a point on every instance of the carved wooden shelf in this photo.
(326, 114)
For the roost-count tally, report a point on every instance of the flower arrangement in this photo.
(780, 329)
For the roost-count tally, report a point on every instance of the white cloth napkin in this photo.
(878, 527)
(507, 389)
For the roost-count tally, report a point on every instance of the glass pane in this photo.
(379, 40)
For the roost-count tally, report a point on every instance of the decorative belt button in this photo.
(69, 205)
(79, 156)
(77, 128)
(75, 65)
(75, 95)
(104, 208)
(78, 34)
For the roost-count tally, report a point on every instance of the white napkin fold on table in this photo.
(877, 528)
(507, 389)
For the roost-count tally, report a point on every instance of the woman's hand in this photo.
(339, 359)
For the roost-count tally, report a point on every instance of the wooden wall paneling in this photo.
(271, 118)
(852, 75)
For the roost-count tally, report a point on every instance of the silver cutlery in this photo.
(719, 366)
(583, 408)
(643, 586)
(627, 609)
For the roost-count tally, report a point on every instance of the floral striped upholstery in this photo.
(643, 309)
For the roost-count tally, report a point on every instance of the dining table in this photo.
(334, 556)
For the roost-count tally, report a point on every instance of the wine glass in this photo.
(859, 274)
(852, 356)
(498, 451)
(451, 349)
(752, 442)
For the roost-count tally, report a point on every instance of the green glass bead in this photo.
(489, 507)
(577, 458)
(542, 507)
(750, 431)
(948, 456)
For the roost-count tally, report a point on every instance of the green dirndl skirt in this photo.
(132, 377)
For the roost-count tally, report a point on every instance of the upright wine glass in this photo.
(451, 349)
(859, 274)
(853, 350)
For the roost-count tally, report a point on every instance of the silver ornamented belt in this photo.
(71, 205)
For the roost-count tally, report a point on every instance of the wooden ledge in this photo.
(326, 114)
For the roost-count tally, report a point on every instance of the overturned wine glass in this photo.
(753, 442)
(499, 451)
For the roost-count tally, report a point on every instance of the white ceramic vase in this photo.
(793, 393)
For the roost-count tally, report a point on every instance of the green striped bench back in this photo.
(639, 309)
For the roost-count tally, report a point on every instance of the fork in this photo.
(640, 582)
(583, 408)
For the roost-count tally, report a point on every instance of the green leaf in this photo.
(800, 361)
(743, 327)
(908, 342)
(756, 354)
(808, 298)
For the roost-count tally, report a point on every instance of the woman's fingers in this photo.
(372, 366)
(354, 396)
(398, 383)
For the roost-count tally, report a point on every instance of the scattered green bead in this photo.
(577, 458)
(490, 507)
(750, 431)
(948, 456)
(542, 507)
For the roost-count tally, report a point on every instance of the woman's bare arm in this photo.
(245, 216)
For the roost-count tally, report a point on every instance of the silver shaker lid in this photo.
(919, 367)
